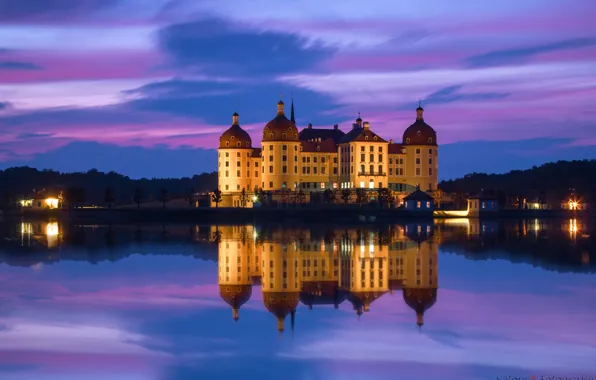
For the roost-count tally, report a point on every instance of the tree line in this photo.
(95, 187)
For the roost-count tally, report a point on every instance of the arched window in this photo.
(430, 140)
(227, 143)
(418, 133)
(283, 136)
(408, 140)
(238, 144)
(375, 138)
(318, 149)
(271, 135)
(372, 169)
(366, 137)
(380, 169)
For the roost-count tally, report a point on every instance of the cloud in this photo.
(217, 47)
(452, 94)
(17, 10)
(14, 65)
(25, 136)
(215, 101)
(4, 106)
(514, 56)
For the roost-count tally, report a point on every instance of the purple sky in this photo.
(127, 85)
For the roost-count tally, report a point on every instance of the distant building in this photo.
(575, 203)
(482, 203)
(418, 201)
(40, 200)
(316, 159)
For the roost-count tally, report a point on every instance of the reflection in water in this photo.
(354, 265)
(46, 234)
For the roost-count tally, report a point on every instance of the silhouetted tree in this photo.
(138, 196)
(243, 198)
(109, 197)
(361, 196)
(216, 197)
(163, 196)
(300, 197)
(190, 196)
(75, 196)
(345, 196)
(329, 196)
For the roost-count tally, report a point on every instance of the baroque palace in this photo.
(316, 159)
(353, 267)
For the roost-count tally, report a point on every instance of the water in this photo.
(455, 299)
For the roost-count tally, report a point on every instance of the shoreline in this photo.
(252, 215)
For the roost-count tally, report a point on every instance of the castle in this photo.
(316, 159)
(350, 266)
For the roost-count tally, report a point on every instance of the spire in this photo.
(419, 111)
(235, 314)
(235, 118)
(359, 121)
(292, 112)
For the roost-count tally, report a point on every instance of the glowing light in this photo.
(52, 229)
(254, 198)
(51, 202)
(573, 205)
(26, 228)
(26, 202)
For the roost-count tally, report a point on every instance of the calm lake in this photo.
(453, 299)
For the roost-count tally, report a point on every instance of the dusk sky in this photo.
(146, 87)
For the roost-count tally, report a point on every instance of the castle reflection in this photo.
(355, 265)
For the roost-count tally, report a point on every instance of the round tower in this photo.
(233, 159)
(422, 153)
(280, 152)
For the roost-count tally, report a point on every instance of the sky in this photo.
(146, 87)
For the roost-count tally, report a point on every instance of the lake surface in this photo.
(453, 299)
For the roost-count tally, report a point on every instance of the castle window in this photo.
(372, 149)
(430, 161)
(390, 161)
(375, 138)
(380, 169)
(227, 173)
(284, 169)
(237, 187)
(372, 158)
(270, 168)
(380, 158)
(256, 164)
(295, 169)
(227, 164)
(239, 144)
(362, 157)
(247, 144)
(256, 173)
(271, 135)
(408, 140)
(417, 160)
(418, 133)
(366, 137)
(362, 149)
(430, 171)
(283, 136)
(238, 163)
(284, 147)
(430, 140)
(227, 143)
(271, 187)
(227, 187)
(323, 160)
(314, 159)
(380, 149)
(417, 151)
(284, 158)
(318, 149)
(238, 173)
(430, 151)
(295, 148)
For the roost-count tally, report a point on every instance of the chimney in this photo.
(391, 141)
(309, 125)
(336, 127)
(366, 125)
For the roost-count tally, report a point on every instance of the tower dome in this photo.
(281, 304)
(280, 128)
(235, 136)
(420, 133)
(235, 296)
(420, 300)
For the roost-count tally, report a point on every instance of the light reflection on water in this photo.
(186, 302)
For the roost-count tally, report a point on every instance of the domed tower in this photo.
(280, 278)
(422, 153)
(234, 259)
(421, 282)
(233, 159)
(280, 153)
